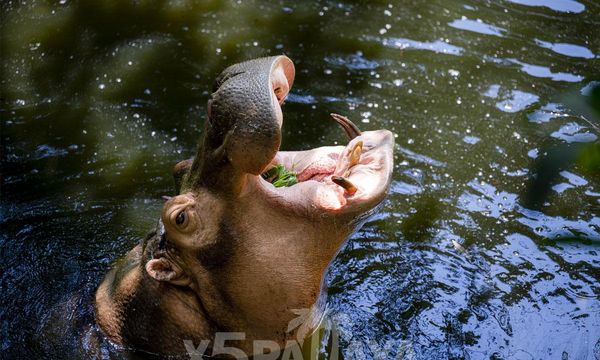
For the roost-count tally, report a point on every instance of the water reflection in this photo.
(567, 49)
(573, 132)
(477, 26)
(438, 46)
(568, 6)
(100, 99)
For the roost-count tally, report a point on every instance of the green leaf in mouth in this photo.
(279, 176)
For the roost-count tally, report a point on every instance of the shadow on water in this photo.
(101, 98)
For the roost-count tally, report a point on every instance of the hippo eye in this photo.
(180, 219)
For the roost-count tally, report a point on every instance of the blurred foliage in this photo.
(122, 83)
(589, 157)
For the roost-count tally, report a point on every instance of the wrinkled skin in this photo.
(231, 252)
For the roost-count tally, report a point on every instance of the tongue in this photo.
(311, 195)
(320, 168)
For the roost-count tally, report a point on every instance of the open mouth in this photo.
(336, 179)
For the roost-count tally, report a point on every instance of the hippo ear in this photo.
(162, 269)
(179, 171)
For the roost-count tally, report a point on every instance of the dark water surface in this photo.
(101, 98)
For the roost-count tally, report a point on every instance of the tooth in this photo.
(355, 154)
(345, 183)
(349, 127)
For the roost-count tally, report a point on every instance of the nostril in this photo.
(279, 83)
(162, 234)
(162, 244)
(279, 93)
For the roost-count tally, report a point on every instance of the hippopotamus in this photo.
(232, 253)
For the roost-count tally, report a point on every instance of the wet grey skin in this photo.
(241, 125)
(232, 253)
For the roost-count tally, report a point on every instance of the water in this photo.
(100, 99)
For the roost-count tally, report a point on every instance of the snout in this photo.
(245, 111)
(243, 129)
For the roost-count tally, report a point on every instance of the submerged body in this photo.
(231, 252)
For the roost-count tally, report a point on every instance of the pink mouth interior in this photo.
(320, 169)
(315, 188)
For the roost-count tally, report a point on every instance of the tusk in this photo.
(345, 183)
(349, 127)
(355, 155)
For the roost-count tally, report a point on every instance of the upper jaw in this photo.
(242, 132)
(318, 193)
(319, 189)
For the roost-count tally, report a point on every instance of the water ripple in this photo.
(558, 226)
(516, 100)
(353, 62)
(545, 72)
(571, 50)
(420, 158)
(573, 133)
(438, 46)
(477, 26)
(566, 6)
(546, 113)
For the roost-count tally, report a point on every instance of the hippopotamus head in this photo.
(249, 251)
